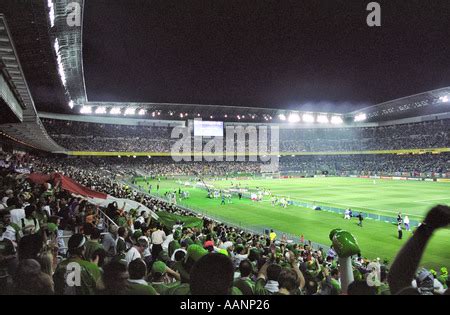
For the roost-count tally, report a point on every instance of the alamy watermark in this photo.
(239, 144)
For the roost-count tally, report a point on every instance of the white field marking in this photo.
(355, 206)
(426, 201)
(345, 205)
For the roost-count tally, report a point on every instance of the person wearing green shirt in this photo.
(160, 273)
(93, 244)
(136, 285)
(335, 280)
(245, 283)
(84, 275)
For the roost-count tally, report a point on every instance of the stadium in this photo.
(152, 198)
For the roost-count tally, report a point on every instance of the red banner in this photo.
(39, 178)
(72, 186)
(66, 183)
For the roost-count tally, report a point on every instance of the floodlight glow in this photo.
(181, 115)
(282, 117)
(360, 117)
(337, 120)
(211, 117)
(86, 110)
(308, 118)
(323, 119)
(294, 118)
(115, 111)
(100, 110)
(71, 104)
(153, 114)
(226, 116)
(130, 111)
(51, 12)
(59, 62)
(444, 99)
(141, 112)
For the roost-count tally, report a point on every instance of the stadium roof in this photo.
(37, 26)
(26, 128)
(426, 103)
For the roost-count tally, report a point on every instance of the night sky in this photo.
(305, 54)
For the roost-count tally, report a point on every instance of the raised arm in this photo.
(407, 261)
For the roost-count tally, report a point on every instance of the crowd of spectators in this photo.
(138, 255)
(414, 165)
(82, 136)
(423, 165)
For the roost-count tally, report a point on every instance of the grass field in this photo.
(376, 238)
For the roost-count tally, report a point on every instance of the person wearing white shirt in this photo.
(137, 250)
(17, 215)
(406, 222)
(158, 238)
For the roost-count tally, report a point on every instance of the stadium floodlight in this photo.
(86, 110)
(100, 110)
(71, 104)
(444, 99)
(211, 116)
(181, 115)
(226, 116)
(159, 113)
(308, 118)
(322, 119)
(337, 120)
(282, 117)
(130, 111)
(141, 112)
(134, 156)
(360, 117)
(149, 156)
(294, 118)
(59, 62)
(115, 111)
(51, 13)
(238, 117)
(198, 115)
(153, 114)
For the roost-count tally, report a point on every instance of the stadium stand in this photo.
(257, 264)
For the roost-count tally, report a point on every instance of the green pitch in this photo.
(376, 238)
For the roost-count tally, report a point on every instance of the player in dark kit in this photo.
(360, 218)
